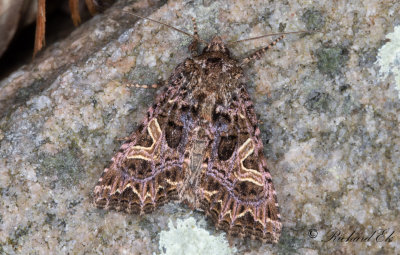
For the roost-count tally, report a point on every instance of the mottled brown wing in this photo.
(147, 170)
(236, 188)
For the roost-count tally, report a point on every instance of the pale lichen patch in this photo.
(189, 238)
(389, 57)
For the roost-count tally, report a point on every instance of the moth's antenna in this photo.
(164, 24)
(283, 33)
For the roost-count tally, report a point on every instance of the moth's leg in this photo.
(126, 138)
(193, 47)
(259, 53)
(143, 86)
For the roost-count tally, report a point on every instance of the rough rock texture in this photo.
(330, 127)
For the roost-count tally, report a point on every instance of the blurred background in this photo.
(18, 22)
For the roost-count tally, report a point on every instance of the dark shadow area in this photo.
(58, 26)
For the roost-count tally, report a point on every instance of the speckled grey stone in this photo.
(313, 19)
(332, 60)
(329, 126)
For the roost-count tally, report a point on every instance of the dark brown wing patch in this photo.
(236, 188)
(147, 170)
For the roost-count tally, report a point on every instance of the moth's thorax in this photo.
(215, 69)
(215, 78)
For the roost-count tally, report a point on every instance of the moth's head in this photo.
(216, 45)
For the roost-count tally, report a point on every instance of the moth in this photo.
(199, 144)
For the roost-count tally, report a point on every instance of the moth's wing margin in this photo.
(147, 171)
(236, 188)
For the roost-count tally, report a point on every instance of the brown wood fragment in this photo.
(91, 7)
(40, 27)
(74, 8)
